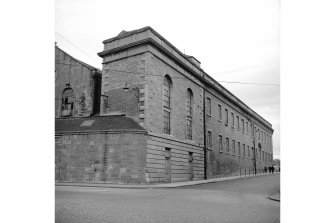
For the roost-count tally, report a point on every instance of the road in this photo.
(241, 200)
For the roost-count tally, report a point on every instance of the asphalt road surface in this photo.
(241, 200)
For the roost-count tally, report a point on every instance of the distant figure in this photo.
(265, 169)
(273, 169)
(270, 169)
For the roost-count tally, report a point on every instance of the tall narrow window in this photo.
(227, 145)
(239, 149)
(232, 119)
(209, 106)
(242, 125)
(220, 144)
(220, 112)
(209, 139)
(248, 148)
(167, 103)
(189, 114)
(233, 147)
(243, 150)
(238, 122)
(226, 111)
(67, 102)
(247, 124)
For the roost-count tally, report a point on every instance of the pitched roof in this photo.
(81, 62)
(97, 123)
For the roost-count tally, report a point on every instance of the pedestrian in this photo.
(270, 169)
(265, 169)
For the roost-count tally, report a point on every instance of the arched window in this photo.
(189, 114)
(167, 83)
(67, 102)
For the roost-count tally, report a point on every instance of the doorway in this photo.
(190, 160)
(168, 165)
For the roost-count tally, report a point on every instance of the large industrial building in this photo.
(151, 115)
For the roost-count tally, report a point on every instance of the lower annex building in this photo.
(151, 115)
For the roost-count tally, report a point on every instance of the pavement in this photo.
(164, 185)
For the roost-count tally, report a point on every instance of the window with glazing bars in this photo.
(189, 114)
(209, 106)
(209, 139)
(220, 112)
(220, 143)
(167, 104)
(227, 145)
(232, 119)
(166, 122)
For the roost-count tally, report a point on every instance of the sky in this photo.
(235, 40)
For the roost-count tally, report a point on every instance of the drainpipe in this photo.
(205, 139)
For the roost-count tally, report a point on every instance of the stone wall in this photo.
(100, 157)
(69, 71)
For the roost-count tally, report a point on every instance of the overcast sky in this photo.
(235, 40)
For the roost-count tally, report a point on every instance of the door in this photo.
(190, 160)
(168, 165)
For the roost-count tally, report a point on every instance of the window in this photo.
(220, 112)
(243, 150)
(247, 124)
(166, 122)
(67, 102)
(263, 156)
(220, 144)
(226, 111)
(238, 122)
(250, 128)
(242, 125)
(209, 139)
(232, 119)
(259, 135)
(233, 147)
(167, 104)
(209, 106)
(239, 149)
(227, 145)
(248, 148)
(189, 114)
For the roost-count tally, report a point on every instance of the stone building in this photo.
(191, 126)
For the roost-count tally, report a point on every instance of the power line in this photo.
(75, 46)
(229, 82)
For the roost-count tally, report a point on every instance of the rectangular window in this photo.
(166, 122)
(242, 125)
(227, 145)
(248, 151)
(259, 135)
(247, 124)
(220, 144)
(233, 147)
(238, 122)
(220, 112)
(189, 129)
(243, 150)
(209, 106)
(239, 149)
(263, 156)
(209, 139)
(226, 110)
(232, 119)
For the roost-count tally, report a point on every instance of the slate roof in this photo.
(97, 123)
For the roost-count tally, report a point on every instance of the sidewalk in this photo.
(165, 185)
